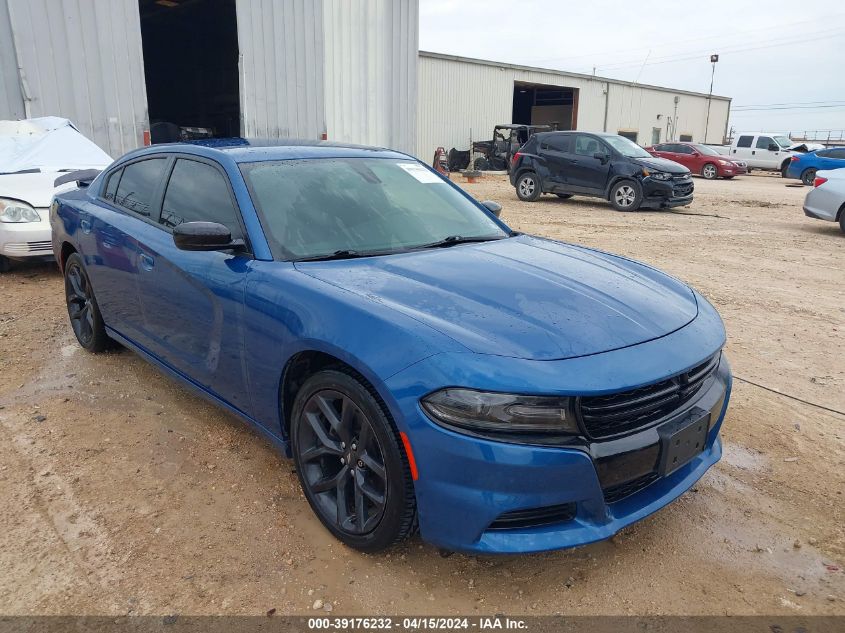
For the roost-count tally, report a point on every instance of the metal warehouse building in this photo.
(342, 69)
(346, 70)
(461, 99)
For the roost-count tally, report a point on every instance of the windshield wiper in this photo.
(343, 254)
(453, 240)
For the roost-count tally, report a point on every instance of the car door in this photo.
(683, 155)
(109, 226)
(554, 148)
(742, 149)
(767, 158)
(586, 173)
(192, 301)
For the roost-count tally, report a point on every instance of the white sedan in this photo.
(826, 200)
(33, 154)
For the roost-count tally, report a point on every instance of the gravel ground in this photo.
(123, 493)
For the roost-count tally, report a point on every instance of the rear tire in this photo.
(808, 176)
(626, 195)
(528, 187)
(5, 264)
(842, 219)
(85, 317)
(564, 196)
(481, 164)
(350, 462)
(710, 171)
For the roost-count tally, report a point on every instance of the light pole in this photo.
(713, 59)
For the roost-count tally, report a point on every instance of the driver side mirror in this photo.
(205, 236)
(773, 147)
(493, 207)
(601, 156)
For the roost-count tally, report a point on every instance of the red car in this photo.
(700, 159)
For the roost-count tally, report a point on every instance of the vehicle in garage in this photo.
(805, 166)
(699, 159)
(763, 150)
(34, 153)
(607, 166)
(311, 290)
(826, 200)
(497, 154)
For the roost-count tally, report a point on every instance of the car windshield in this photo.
(705, 149)
(313, 208)
(626, 147)
(784, 141)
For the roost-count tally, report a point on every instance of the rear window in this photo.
(138, 185)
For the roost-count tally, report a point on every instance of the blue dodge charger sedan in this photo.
(427, 368)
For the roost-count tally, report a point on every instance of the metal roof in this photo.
(563, 73)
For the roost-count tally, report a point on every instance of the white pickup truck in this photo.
(763, 150)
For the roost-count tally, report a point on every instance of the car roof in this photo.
(242, 150)
(558, 132)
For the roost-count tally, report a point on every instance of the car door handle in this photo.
(147, 262)
(85, 225)
(753, 152)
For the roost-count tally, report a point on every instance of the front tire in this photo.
(528, 187)
(808, 176)
(350, 463)
(710, 171)
(626, 195)
(82, 308)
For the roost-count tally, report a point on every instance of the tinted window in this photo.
(560, 143)
(313, 208)
(683, 149)
(111, 185)
(763, 142)
(138, 185)
(744, 141)
(839, 152)
(587, 145)
(197, 192)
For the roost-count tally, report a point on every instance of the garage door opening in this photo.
(537, 104)
(191, 68)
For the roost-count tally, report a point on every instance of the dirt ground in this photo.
(121, 492)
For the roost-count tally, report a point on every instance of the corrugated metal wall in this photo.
(281, 68)
(461, 100)
(11, 97)
(371, 72)
(81, 59)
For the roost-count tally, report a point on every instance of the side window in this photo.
(197, 192)
(744, 141)
(587, 145)
(838, 152)
(111, 185)
(560, 143)
(763, 142)
(138, 185)
(826, 153)
(683, 149)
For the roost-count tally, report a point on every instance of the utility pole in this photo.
(713, 59)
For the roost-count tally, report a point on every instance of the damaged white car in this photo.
(34, 154)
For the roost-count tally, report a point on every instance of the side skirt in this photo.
(277, 441)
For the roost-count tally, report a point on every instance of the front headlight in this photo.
(503, 413)
(17, 211)
(661, 175)
(724, 162)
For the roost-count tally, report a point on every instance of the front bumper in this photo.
(667, 193)
(23, 240)
(466, 483)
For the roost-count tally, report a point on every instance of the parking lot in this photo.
(131, 495)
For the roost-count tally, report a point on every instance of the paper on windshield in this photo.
(421, 173)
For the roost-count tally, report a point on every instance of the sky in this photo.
(782, 62)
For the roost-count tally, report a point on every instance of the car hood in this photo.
(35, 189)
(522, 297)
(661, 164)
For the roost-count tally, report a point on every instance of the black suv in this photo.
(604, 165)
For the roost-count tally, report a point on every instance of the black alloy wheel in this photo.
(350, 464)
(85, 318)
